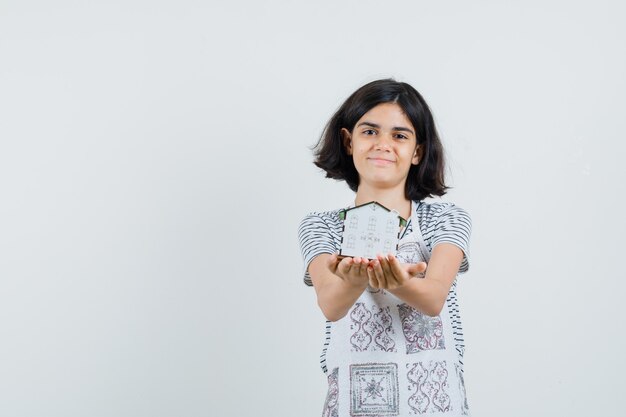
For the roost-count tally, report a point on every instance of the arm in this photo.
(427, 295)
(338, 284)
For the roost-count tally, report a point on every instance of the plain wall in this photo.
(155, 165)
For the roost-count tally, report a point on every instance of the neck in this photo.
(393, 199)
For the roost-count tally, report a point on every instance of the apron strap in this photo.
(417, 234)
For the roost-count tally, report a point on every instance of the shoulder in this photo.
(431, 214)
(326, 219)
(319, 232)
(444, 222)
(321, 225)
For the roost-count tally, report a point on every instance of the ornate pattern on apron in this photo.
(330, 406)
(428, 384)
(421, 332)
(374, 388)
(371, 327)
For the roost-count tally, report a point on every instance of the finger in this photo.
(366, 264)
(354, 266)
(358, 265)
(380, 274)
(371, 275)
(344, 266)
(363, 264)
(384, 264)
(398, 273)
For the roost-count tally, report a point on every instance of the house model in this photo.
(369, 229)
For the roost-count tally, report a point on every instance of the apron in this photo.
(384, 358)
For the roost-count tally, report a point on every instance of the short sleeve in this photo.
(315, 238)
(454, 225)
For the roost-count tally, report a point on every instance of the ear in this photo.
(417, 155)
(347, 140)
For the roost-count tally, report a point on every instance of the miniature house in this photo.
(369, 229)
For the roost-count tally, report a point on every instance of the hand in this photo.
(352, 270)
(388, 273)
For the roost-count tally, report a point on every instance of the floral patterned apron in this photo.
(384, 358)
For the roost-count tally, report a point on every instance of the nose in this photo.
(383, 142)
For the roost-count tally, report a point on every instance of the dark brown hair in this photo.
(425, 179)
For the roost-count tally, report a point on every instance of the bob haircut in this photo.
(425, 179)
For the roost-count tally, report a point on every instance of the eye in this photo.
(401, 136)
(369, 132)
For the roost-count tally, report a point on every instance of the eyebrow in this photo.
(398, 128)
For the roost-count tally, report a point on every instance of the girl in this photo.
(394, 343)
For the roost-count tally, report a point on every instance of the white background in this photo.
(155, 165)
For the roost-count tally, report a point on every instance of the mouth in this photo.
(381, 161)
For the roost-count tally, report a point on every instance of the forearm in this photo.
(337, 296)
(425, 295)
(429, 294)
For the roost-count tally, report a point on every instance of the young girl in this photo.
(394, 343)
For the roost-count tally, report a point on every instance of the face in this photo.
(383, 146)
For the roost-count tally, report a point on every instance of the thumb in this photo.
(332, 262)
(418, 268)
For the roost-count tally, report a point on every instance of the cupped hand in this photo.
(352, 270)
(388, 273)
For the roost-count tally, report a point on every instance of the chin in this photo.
(383, 183)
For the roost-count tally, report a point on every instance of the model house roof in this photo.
(342, 213)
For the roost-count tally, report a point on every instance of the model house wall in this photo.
(370, 229)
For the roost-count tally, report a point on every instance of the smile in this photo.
(380, 161)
